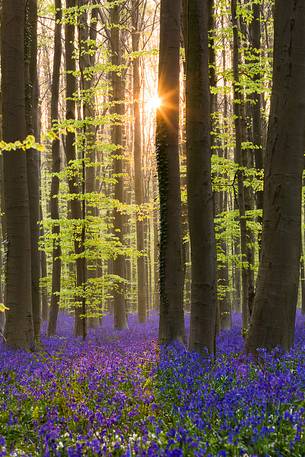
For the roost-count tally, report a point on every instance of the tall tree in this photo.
(87, 32)
(74, 187)
(54, 206)
(255, 35)
(275, 301)
(199, 186)
(19, 324)
(120, 316)
(224, 319)
(171, 325)
(137, 153)
(32, 156)
(239, 134)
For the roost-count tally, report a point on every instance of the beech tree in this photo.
(74, 185)
(138, 163)
(240, 160)
(32, 155)
(120, 316)
(199, 185)
(87, 32)
(19, 321)
(167, 139)
(275, 301)
(54, 206)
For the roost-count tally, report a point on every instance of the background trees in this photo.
(92, 144)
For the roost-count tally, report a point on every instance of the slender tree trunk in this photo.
(19, 323)
(156, 290)
(32, 156)
(239, 160)
(224, 320)
(56, 254)
(302, 273)
(275, 302)
(199, 186)
(171, 325)
(74, 187)
(3, 229)
(302, 264)
(44, 275)
(248, 162)
(137, 152)
(87, 39)
(120, 315)
(255, 34)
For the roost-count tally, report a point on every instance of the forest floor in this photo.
(117, 394)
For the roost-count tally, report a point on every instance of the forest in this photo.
(152, 235)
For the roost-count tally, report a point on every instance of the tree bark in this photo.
(32, 156)
(255, 33)
(199, 185)
(54, 206)
(171, 325)
(44, 275)
(275, 302)
(239, 160)
(87, 32)
(19, 323)
(74, 187)
(137, 153)
(120, 314)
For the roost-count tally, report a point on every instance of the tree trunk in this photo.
(137, 152)
(302, 263)
(239, 160)
(32, 156)
(56, 254)
(302, 274)
(74, 187)
(87, 31)
(199, 186)
(171, 325)
(3, 230)
(44, 275)
(120, 315)
(255, 33)
(248, 162)
(275, 302)
(156, 244)
(19, 323)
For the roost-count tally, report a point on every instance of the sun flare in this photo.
(154, 103)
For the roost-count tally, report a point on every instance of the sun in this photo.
(154, 103)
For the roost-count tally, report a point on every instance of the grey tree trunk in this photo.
(240, 200)
(302, 280)
(80, 327)
(44, 274)
(199, 186)
(255, 33)
(32, 156)
(171, 326)
(19, 322)
(224, 319)
(87, 32)
(120, 314)
(275, 301)
(137, 153)
(54, 207)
